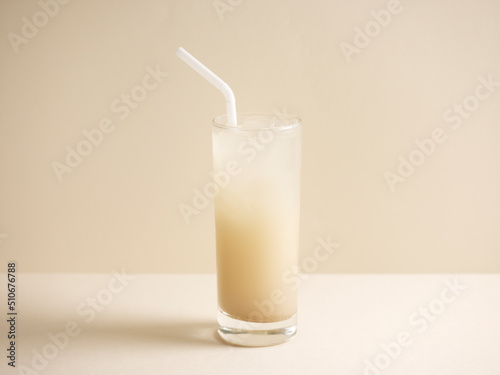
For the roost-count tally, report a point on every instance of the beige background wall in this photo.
(118, 207)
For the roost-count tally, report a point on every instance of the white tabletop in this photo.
(165, 324)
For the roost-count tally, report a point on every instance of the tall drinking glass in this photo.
(257, 166)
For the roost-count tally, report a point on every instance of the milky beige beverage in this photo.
(257, 217)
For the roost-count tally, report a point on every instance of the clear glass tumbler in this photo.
(257, 209)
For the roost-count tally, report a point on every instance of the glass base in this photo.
(243, 333)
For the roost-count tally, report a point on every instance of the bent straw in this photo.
(214, 80)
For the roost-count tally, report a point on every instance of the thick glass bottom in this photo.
(243, 333)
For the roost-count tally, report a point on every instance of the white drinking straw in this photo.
(214, 80)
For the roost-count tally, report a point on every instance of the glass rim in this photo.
(295, 121)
